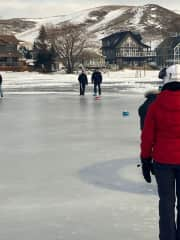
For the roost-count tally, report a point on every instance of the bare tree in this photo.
(69, 40)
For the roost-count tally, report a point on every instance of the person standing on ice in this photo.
(160, 141)
(83, 81)
(142, 110)
(1, 92)
(96, 80)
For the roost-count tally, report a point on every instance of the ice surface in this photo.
(68, 169)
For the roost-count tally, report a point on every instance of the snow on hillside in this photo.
(144, 19)
(31, 34)
(83, 16)
(135, 21)
(80, 17)
(139, 11)
(177, 11)
(102, 21)
(108, 18)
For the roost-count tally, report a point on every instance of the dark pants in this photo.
(168, 182)
(97, 84)
(82, 88)
(1, 92)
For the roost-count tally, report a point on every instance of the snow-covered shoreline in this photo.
(113, 82)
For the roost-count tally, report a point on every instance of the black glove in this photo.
(147, 168)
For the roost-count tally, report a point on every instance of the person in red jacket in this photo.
(160, 141)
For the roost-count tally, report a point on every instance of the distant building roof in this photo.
(169, 42)
(117, 37)
(8, 39)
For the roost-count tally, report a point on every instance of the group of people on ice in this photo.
(96, 79)
(160, 149)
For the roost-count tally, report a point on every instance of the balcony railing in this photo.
(134, 53)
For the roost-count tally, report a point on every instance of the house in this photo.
(126, 49)
(9, 55)
(168, 51)
(91, 59)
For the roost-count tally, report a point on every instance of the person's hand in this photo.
(147, 168)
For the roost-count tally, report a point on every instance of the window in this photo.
(129, 43)
(177, 53)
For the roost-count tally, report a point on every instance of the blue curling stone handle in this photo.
(125, 113)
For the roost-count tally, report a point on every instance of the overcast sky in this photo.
(45, 8)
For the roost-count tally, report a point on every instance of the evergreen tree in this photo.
(42, 34)
(43, 52)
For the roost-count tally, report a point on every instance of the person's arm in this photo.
(147, 144)
(148, 133)
(100, 77)
(92, 78)
(86, 80)
(141, 113)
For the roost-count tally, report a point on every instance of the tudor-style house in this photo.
(168, 51)
(126, 48)
(9, 55)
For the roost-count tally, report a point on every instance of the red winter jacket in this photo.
(160, 138)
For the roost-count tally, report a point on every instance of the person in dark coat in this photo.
(83, 81)
(97, 80)
(1, 92)
(160, 149)
(142, 110)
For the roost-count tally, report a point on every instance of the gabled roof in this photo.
(8, 39)
(169, 42)
(117, 37)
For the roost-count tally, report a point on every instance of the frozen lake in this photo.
(68, 169)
